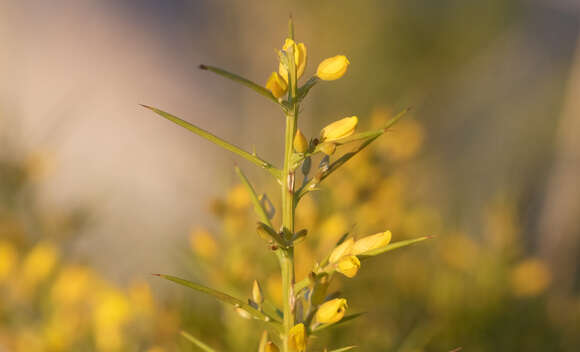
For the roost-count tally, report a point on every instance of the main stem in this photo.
(287, 258)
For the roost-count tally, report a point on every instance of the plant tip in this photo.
(202, 67)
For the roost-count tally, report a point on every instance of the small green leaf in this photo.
(216, 140)
(244, 81)
(303, 91)
(224, 297)
(197, 342)
(342, 321)
(392, 246)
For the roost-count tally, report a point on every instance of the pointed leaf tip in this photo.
(202, 67)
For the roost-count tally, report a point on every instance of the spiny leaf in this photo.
(258, 208)
(216, 140)
(392, 246)
(197, 342)
(244, 81)
(342, 321)
(224, 297)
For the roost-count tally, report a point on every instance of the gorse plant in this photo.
(307, 306)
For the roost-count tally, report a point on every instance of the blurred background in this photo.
(96, 193)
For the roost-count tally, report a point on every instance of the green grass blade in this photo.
(258, 208)
(223, 297)
(197, 342)
(241, 80)
(392, 246)
(216, 140)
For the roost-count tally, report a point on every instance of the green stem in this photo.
(288, 201)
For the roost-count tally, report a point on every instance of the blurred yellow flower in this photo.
(8, 259)
(332, 68)
(341, 250)
(300, 57)
(332, 311)
(39, 263)
(530, 278)
(348, 266)
(203, 243)
(297, 338)
(238, 198)
(405, 141)
(277, 85)
(111, 313)
(72, 285)
(371, 242)
(300, 142)
(339, 129)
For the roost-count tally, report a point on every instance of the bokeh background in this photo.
(96, 193)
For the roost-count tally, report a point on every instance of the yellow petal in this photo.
(297, 338)
(300, 58)
(332, 68)
(332, 311)
(339, 129)
(371, 242)
(348, 266)
(276, 85)
(340, 251)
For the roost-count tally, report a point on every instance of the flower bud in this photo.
(339, 129)
(243, 313)
(300, 142)
(276, 85)
(332, 68)
(348, 266)
(297, 338)
(341, 250)
(300, 56)
(257, 295)
(332, 311)
(271, 347)
(327, 148)
(371, 242)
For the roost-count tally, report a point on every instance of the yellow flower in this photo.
(332, 68)
(371, 242)
(300, 57)
(8, 259)
(341, 250)
(297, 338)
(277, 85)
(339, 129)
(348, 265)
(332, 311)
(300, 142)
(257, 292)
(203, 243)
(39, 263)
(530, 278)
